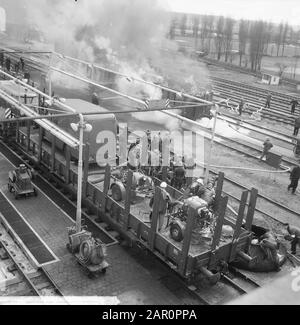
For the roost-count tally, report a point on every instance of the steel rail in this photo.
(23, 274)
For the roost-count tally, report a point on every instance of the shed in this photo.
(270, 78)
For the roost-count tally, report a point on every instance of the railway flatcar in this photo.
(18, 92)
(193, 113)
(107, 122)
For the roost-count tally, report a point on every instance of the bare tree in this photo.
(204, 29)
(257, 42)
(219, 37)
(228, 34)
(281, 68)
(172, 30)
(183, 25)
(196, 29)
(210, 29)
(268, 32)
(243, 38)
(278, 37)
(284, 37)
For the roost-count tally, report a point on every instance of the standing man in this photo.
(268, 102)
(22, 63)
(95, 99)
(296, 126)
(267, 145)
(1, 59)
(7, 64)
(294, 177)
(294, 103)
(164, 200)
(241, 106)
(293, 236)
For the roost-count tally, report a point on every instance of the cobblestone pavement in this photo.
(133, 276)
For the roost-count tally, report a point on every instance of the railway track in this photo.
(256, 98)
(36, 283)
(233, 281)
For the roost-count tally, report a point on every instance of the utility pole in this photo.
(206, 175)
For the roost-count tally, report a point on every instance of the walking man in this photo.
(294, 177)
(296, 126)
(267, 145)
(22, 64)
(294, 103)
(7, 64)
(293, 236)
(268, 102)
(241, 106)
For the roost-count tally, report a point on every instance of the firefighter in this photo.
(296, 126)
(293, 236)
(164, 200)
(294, 103)
(22, 63)
(197, 188)
(178, 179)
(267, 145)
(268, 101)
(294, 177)
(17, 67)
(241, 106)
(134, 154)
(95, 99)
(269, 245)
(209, 193)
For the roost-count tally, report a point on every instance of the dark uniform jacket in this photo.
(295, 173)
(297, 122)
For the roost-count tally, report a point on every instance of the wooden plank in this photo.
(192, 213)
(238, 225)
(105, 187)
(68, 164)
(85, 169)
(18, 132)
(52, 163)
(251, 209)
(128, 198)
(218, 230)
(28, 135)
(154, 220)
(164, 173)
(219, 188)
(40, 144)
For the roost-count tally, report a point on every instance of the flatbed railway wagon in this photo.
(131, 219)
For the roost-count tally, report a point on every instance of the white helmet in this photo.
(200, 181)
(163, 185)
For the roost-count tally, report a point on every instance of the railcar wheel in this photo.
(176, 232)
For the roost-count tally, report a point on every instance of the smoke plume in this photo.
(124, 35)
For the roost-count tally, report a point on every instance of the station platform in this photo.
(134, 276)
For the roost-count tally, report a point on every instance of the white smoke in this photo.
(124, 35)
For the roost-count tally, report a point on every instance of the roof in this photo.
(83, 106)
(15, 90)
(271, 72)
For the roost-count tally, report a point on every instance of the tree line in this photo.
(215, 35)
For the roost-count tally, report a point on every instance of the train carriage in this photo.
(103, 122)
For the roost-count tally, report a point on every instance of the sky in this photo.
(269, 10)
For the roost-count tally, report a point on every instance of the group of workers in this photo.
(16, 68)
